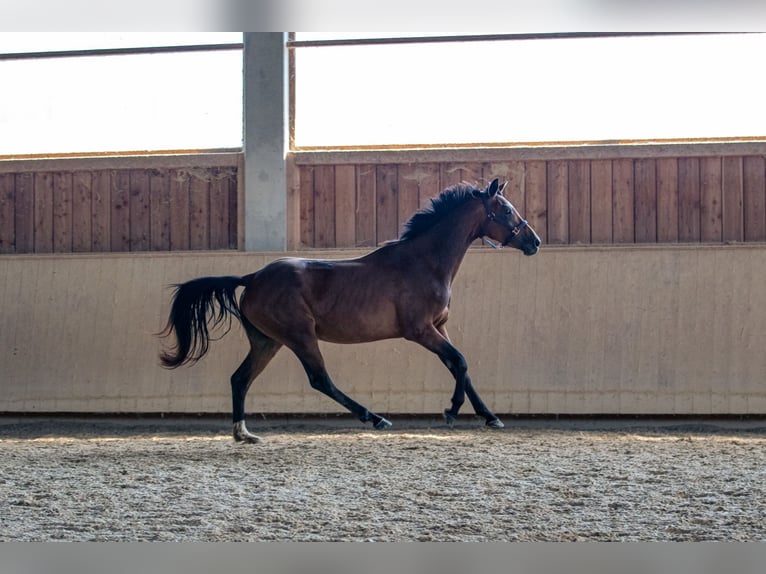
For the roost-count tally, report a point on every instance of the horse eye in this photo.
(508, 210)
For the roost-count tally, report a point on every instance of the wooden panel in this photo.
(324, 206)
(307, 205)
(25, 213)
(667, 200)
(579, 201)
(199, 210)
(179, 207)
(82, 201)
(536, 192)
(140, 222)
(43, 212)
(711, 212)
(558, 202)
(219, 208)
(365, 205)
(236, 190)
(101, 203)
(120, 212)
(645, 226)
(408, 184)
(387, 203)
(345, 205)
(623, 209)
(601, 201)
(514, 172)
(754, 198)
(159, 210)
(689, 199)
(62, 212)
(733, 220)
(7, 213)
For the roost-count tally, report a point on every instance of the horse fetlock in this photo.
(382, 423)
(241, 434)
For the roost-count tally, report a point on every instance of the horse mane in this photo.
(446, 202)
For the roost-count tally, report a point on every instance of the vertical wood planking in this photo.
(579, 201)
(24, 219)
(754, 197)
(43, 226)
(7, 213)
(345, 205)
(219, 208)
(365, 205)
(159, 210)
(387, 203)
(536, 193)
(623, 201)
(558, 202)
(140, 220)
(513, 172)
(120, 212)
(733, 219)
(711, 213)
(307, 205)
(234, 214)
(179, 208)
(199, 209)
(667, 200)
(409, 194)
(101, 208)
(62, 212)
(645, 225)
(324, 206)
(82, 209)
(689, 199)
(601, 201)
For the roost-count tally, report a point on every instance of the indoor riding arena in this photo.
(626, 359)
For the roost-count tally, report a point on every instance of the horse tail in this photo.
(195, 304)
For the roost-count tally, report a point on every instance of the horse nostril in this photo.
(537, 242)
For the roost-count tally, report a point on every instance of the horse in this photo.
(402, 289)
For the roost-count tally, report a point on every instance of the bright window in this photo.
(548, 90)
(117, 103)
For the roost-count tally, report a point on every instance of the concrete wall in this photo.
(619, 330)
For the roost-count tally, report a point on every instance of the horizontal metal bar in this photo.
(484, 38)
(121, 51)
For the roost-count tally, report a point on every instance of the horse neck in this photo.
(447, 242)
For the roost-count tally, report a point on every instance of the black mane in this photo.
(447, 201)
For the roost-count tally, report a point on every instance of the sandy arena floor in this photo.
(328, 479)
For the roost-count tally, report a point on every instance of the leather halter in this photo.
(515, 230)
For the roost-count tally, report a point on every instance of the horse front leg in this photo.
(437, 341)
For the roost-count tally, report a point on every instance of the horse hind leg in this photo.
(262, 350)
(313, 363)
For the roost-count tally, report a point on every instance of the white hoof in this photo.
(241, 434)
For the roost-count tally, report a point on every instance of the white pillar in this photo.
(265, 141)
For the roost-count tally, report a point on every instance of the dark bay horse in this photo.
(402, 289)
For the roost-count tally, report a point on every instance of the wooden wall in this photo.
(693, 194)
(119, 204)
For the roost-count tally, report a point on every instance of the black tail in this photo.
(194, 305)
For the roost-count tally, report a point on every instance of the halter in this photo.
(515, 230)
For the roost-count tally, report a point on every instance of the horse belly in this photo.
(358, 325)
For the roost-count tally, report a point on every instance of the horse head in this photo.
(504, 223)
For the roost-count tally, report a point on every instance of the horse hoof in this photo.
(495, 424)
(241, 434)
(382, 424)
(449, 418)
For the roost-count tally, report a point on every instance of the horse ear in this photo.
(492, 187)
(502, 187)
